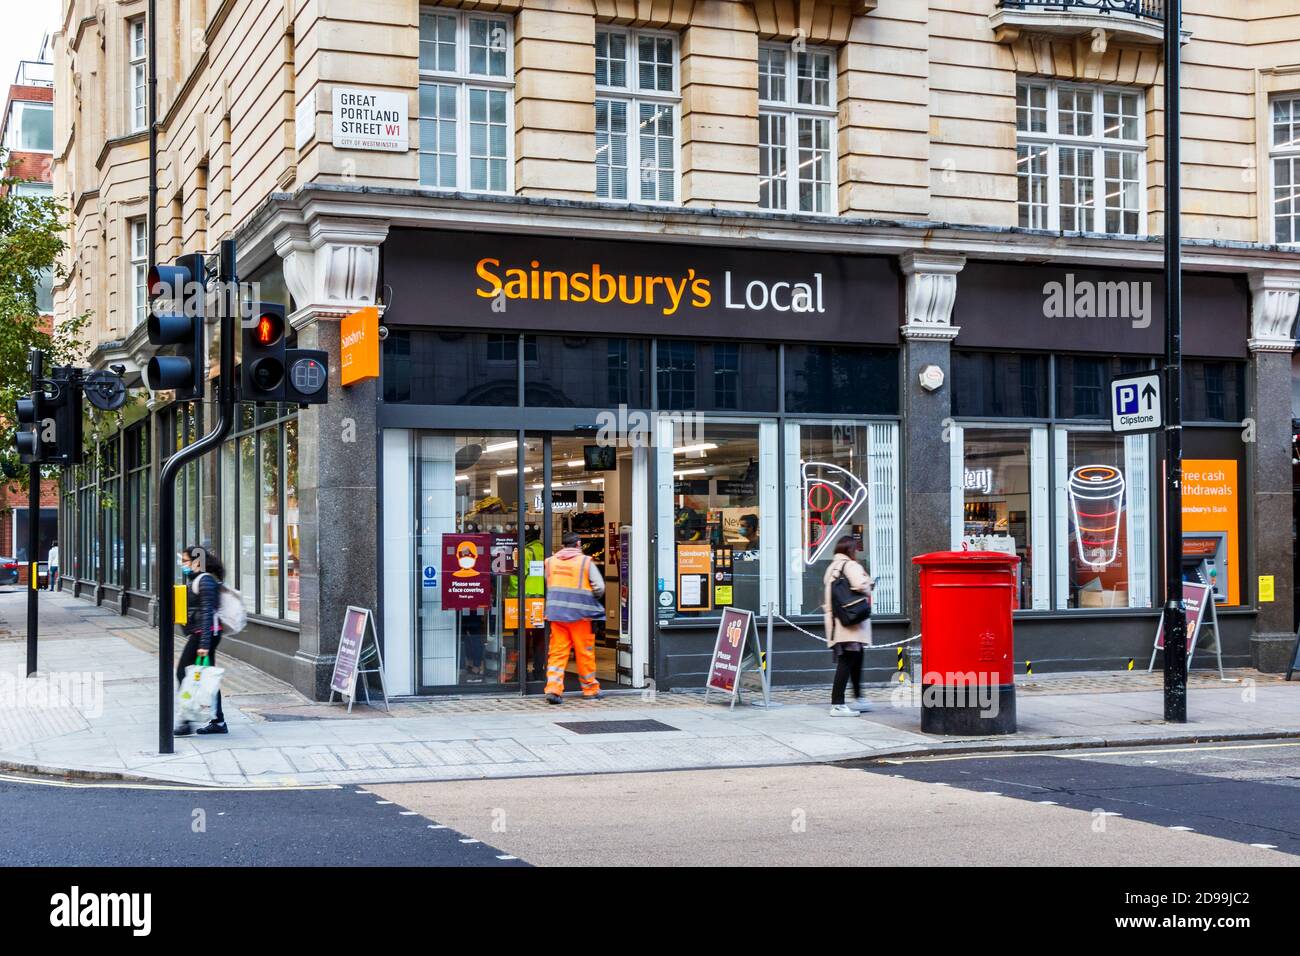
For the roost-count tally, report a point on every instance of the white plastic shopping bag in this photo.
(196, 700)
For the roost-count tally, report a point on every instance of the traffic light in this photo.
(36, 429)
(262, 366)
(66, 408)
(177, 303)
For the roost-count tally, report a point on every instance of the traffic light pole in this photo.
(37, 363)
(1175, 620)
(228, 310)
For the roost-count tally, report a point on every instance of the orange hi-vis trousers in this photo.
(579, 636)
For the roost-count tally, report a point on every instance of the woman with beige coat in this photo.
(846, 642)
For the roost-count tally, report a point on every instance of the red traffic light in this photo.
(269, 329)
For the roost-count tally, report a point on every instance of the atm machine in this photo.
(1205, 561)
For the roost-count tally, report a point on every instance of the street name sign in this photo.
(1135, 403)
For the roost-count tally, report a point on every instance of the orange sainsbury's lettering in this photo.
(593, 284)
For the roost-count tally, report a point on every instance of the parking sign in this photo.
(1135, 403)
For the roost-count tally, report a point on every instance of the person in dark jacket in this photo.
(203, 573)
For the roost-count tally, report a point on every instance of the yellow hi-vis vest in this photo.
(569, 596)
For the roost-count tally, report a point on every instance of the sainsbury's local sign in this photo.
(582, 285)
(370, 119)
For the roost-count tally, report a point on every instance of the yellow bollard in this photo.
(181, 613)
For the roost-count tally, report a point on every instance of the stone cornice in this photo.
(421, 209)
(1274, 300)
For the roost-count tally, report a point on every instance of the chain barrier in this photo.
(818, 637)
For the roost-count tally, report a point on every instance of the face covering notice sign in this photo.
(370, 119)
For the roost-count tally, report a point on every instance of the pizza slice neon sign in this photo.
(831, 497)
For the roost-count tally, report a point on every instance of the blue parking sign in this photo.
(1135, 403)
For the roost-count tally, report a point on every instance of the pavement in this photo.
(91, 712)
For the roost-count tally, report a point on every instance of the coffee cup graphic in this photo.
(1097, 502)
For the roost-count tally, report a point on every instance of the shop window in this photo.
(717, 512)
(111, 505)
(466, 89)
(259, 510)
(577, 371)
(1081, 157)
(716, 376)
(999, 385)
(796, 129)
(1214, 391)
(451, 368)
(821, 379)
(1082, 383)
(138, 506)
(637, 101)
(1103, 504)
(1284, 155)
(999, 501)
(841, 479)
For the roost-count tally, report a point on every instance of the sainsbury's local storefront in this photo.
(710, 419)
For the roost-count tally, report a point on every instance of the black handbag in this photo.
(848, 606)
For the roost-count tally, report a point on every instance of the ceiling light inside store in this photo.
(694, 449)
(500, 446)
(689, 471)
(462, 477)
(528, 470)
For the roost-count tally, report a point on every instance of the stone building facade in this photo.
(939, 167)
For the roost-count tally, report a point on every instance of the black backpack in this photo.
(848, 606)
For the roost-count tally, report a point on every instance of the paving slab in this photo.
(92, 711)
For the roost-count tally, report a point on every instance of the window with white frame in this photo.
(137, 117)
(31, 127)
(138, 236)
(1284, 152)
(637, 100)
(465, 101)
(796, 127)
(1081, 157)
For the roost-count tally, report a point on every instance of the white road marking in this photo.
(506, 856)
(122, 785)
(469, 840)
(1264, 846)
(1184, 829)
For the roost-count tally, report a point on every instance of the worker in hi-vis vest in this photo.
(575, 593)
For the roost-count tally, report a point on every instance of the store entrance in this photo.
(598, 492)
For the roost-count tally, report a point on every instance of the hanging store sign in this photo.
(359, 345)
(370, 119)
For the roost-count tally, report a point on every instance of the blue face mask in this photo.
(186, 571)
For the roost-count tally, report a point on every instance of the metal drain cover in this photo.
(615, 726)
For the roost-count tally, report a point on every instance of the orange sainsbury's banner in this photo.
(359, 345)
(1210, 493)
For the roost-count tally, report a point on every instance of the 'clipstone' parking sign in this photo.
(1135, 403)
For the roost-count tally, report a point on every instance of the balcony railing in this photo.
(1145, 9)
(1096, 21)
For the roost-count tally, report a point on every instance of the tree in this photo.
(32, 229)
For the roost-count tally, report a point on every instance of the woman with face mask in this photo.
(203, 573)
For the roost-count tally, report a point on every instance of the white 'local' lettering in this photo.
(780, 296)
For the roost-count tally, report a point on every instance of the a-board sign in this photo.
(1195, 598)
(352, 656)
(729, 649)
(344, 678)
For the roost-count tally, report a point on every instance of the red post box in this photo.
(967, 648)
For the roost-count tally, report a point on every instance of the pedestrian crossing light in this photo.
(270, 371)
(177, 303)
(262, 367)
